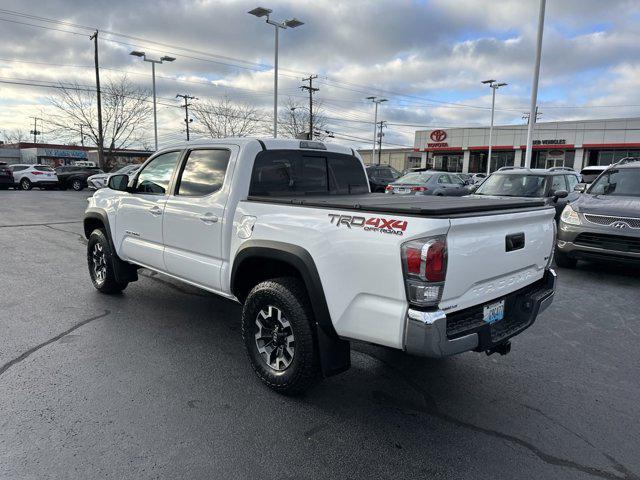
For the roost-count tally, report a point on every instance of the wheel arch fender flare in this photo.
(334, 351)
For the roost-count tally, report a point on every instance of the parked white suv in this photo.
(28, 176)
(289, 229)
(99, 180)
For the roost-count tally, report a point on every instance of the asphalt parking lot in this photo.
(154, 383)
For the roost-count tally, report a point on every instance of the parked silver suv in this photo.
(604, 223)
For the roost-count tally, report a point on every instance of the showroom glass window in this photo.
(154, 178)
(203, 172)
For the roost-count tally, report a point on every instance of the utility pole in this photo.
(94, 37)
(380, 135)
(35, 131)
(186, 109)
(526, 116)
(311, 90)
(534, 86)
(81, 125)
(376, 102)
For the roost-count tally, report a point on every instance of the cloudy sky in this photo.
(426, 57)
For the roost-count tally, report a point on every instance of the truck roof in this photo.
(427, 206)
(269, 143)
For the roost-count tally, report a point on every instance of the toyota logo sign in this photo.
(438, 135)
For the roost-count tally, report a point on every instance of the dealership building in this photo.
(574, 144)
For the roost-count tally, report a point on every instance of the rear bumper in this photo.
(427, 334)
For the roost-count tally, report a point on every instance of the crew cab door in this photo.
(140, 212)
(194, 216)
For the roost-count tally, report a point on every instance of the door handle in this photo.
(208, 218)
(155, 211)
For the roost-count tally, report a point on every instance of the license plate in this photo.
(402, 191)
(494, 311)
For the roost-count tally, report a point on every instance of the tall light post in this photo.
(153, 62)
(376, 101)
(534, 87)
(290, 23)
(494, 86)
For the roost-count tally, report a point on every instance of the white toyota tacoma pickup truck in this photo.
(289, 229)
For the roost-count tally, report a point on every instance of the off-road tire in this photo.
(105, 281)
(288, 295)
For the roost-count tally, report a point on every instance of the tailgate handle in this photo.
(515, 241)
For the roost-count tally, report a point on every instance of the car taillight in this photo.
(35, 172)
(424, 263)
(388, 188)
(418, 189)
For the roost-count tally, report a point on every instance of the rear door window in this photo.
(294, 172)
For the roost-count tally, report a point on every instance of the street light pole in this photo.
(376, 102)
(534, 87)
(153, 62)
(290, 23)
(494, 86)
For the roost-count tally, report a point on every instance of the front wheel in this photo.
(100, 259)
(278, 335)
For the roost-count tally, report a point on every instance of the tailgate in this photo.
(493, 255)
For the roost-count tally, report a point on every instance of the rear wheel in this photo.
(565, 261)
(278, 335)
(25, 184)
(100, 260)
(76, 184)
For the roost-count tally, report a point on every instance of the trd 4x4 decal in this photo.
(370, 224)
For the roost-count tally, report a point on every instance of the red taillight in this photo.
(388, 188)
(414, 260)
(424, 263)
(436, 265)
(418, 189)
(37, 173)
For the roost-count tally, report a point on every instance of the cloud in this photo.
(415, 53)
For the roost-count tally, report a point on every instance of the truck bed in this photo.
(418, 205)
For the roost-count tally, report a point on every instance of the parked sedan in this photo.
(28, 176)
(75, 176)
(100, 180)
(554, 186)
(6, 176)
(429, 183)
(604, 223)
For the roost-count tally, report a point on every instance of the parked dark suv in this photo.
(555, 185)
(604, 223)
(74, 176)
(380, 176)
(6, 176)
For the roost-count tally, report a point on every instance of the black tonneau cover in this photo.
(421, 205)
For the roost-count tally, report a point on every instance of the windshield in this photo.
(415, 177)
(624, 182)
(589, 176)
(513, 185)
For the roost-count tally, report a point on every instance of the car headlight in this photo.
(570, 216)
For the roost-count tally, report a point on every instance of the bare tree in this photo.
(126, 111)
(293, 119)
(223, 118)
(16, 135)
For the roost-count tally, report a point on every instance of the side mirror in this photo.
(580, 188)
(118, 182)
(472, 188)
(558, 194)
